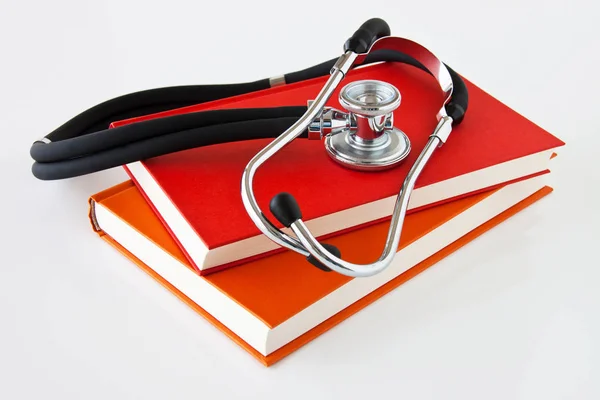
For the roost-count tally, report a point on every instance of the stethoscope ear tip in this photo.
(456, 112)
(369, 32)
(285, 208)
(331, 249)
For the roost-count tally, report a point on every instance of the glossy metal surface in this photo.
(370, 98)
(329, 121)
(377, 154)
(371, 104)
(344, 63)
(370, 143)
(277, 81)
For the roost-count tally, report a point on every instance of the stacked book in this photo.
(181, 219)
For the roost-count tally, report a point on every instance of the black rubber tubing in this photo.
(81, 146)
(84, 145)
(165, 144)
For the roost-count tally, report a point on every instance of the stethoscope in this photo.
(363, 138)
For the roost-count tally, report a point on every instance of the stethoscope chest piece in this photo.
(364, 138)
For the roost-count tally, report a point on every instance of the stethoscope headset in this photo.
(363, 138)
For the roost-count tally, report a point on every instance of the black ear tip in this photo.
(368, 33)
(456, 112)
(285, 208)
(379, 25)
(330, 248)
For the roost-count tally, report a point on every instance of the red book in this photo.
(196, 192)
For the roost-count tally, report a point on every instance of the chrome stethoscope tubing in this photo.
(284, 206)
(254, 211)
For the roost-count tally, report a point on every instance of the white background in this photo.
(514, 315)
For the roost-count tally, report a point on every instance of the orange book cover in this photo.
(279, 288)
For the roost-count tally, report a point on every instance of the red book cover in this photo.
(197, 192)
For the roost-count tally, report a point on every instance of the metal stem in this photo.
(262, 222)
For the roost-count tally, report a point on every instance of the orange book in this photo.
(274, 305)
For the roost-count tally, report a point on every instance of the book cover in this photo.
(197, 192)
(274, 305)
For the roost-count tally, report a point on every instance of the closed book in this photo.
(196, 192)
(274, 305)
